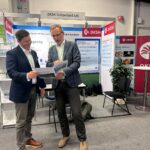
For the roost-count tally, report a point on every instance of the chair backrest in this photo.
(124, 84)
(48, 80)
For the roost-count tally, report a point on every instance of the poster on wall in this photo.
(142, 59)
(90, 50)
(2, 31)
(4, 44)
(42, 41)
(125, 49)
(107, 55)
(9, 31)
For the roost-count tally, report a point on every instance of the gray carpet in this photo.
(130, 132)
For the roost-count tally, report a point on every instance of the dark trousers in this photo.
(66, 94)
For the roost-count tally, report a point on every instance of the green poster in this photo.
(2, 34)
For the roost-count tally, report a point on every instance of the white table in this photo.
(146, 69)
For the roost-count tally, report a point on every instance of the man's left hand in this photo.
(42, 92)
(59, 75)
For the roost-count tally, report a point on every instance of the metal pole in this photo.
(145, 89)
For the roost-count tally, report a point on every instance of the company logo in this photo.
(127, 39)
(110, 28)
(86, 32)
(91, 32)
(145, 50)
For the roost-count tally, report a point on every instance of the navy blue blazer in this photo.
(17, 66)
(72, 54)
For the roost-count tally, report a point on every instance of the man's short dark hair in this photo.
(20, 34)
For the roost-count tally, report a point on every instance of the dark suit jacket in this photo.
(17, 66)
(72, 54)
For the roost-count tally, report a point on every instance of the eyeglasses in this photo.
(56, 35)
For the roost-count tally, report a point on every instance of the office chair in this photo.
(124, 85)
(53, 108)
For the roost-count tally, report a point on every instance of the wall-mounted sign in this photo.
(63, 15)
(125, 49)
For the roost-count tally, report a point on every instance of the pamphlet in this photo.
(52, 70)
(42, 71)
(60, 67)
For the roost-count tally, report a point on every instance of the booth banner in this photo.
(142, 59)
(109, 28)
(8, 25)
(9, 31)
(107, 55)
(91, 32)
(125, 49)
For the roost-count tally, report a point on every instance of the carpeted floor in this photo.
(128, 132)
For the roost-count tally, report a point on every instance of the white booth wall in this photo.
(93, 8)
(97, 8)
(5, 5)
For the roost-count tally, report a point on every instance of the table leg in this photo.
(144, 107)
(83, 94)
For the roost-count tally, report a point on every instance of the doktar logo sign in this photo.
(91, 32)
(145, 50)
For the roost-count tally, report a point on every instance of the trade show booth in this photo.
(99, 46)
(87, 36)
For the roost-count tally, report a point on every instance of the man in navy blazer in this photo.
(25, 84)
(66, 85)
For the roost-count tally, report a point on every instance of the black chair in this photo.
(124, 86)
(52, 108)
(48, 80)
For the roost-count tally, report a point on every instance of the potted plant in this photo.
(120, 70)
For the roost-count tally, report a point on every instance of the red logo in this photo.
(91, 32)
(110, 28)
(145, 50)
(127, 39)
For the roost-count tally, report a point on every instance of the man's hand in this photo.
(58, 62)
(32, 74)
(42, 92)
(59, 75)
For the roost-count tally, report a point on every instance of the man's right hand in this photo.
(32, 74)
(56, 62)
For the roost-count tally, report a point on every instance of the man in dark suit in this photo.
(20, 63)
(66, 85)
